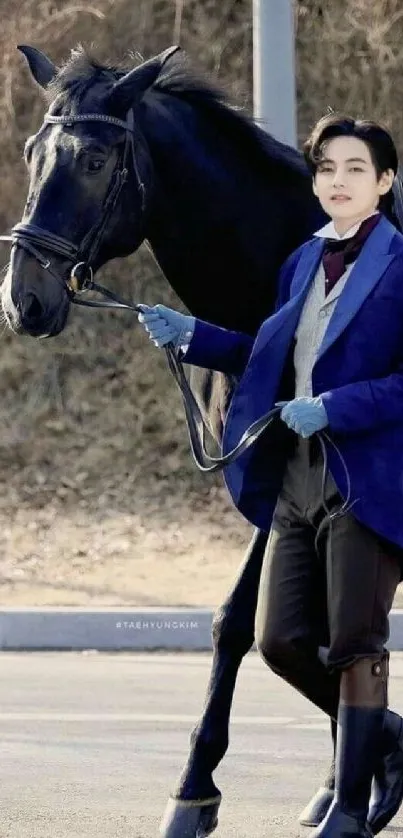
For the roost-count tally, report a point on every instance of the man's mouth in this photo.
(340, 198)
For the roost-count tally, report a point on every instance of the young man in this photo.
(334, 351)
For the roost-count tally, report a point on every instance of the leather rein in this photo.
(29, 237)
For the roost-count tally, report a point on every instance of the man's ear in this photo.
(314, 189)
(386, 181)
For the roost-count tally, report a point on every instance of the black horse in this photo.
(221, 204)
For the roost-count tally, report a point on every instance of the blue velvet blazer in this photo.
(358, 371)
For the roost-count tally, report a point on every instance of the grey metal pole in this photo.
(274, 68)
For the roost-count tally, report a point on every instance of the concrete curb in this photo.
(120, 629)
(106, 629)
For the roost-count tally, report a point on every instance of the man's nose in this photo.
(339, 178)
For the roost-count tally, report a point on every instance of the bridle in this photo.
(82, 257)
(29, 237)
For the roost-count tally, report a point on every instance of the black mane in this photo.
(82, 70)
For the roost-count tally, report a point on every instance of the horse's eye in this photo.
(95, 165)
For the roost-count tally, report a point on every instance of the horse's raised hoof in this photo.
(190, 818)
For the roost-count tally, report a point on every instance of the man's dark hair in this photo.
(380, 144)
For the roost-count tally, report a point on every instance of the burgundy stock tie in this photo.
(338, 253)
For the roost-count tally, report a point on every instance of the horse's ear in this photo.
(42, 68)
(132, 87)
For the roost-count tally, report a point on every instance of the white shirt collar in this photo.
(329, 231)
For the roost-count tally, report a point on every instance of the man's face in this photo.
(346, 181)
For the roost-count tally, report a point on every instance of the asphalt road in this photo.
(92, 743)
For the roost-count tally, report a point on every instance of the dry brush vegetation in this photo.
(91, 421)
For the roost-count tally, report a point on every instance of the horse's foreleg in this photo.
(192, 808)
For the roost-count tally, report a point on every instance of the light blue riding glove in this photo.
(164, 325)
(304, 415)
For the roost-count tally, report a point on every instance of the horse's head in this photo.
(90, 185)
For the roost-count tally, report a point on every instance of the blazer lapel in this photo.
(307, 266)
(366, 273)
(286, 318)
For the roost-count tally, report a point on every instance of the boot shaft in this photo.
(360, 726)
(360, 723)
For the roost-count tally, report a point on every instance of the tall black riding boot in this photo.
(363, 701)
(319, 804)
(387, 788)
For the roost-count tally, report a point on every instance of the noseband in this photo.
(29, 237)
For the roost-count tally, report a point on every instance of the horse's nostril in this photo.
(30, 307)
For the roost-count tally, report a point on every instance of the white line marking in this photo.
(139, 717)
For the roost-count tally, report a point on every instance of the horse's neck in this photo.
(216, 229)
(206, 263)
